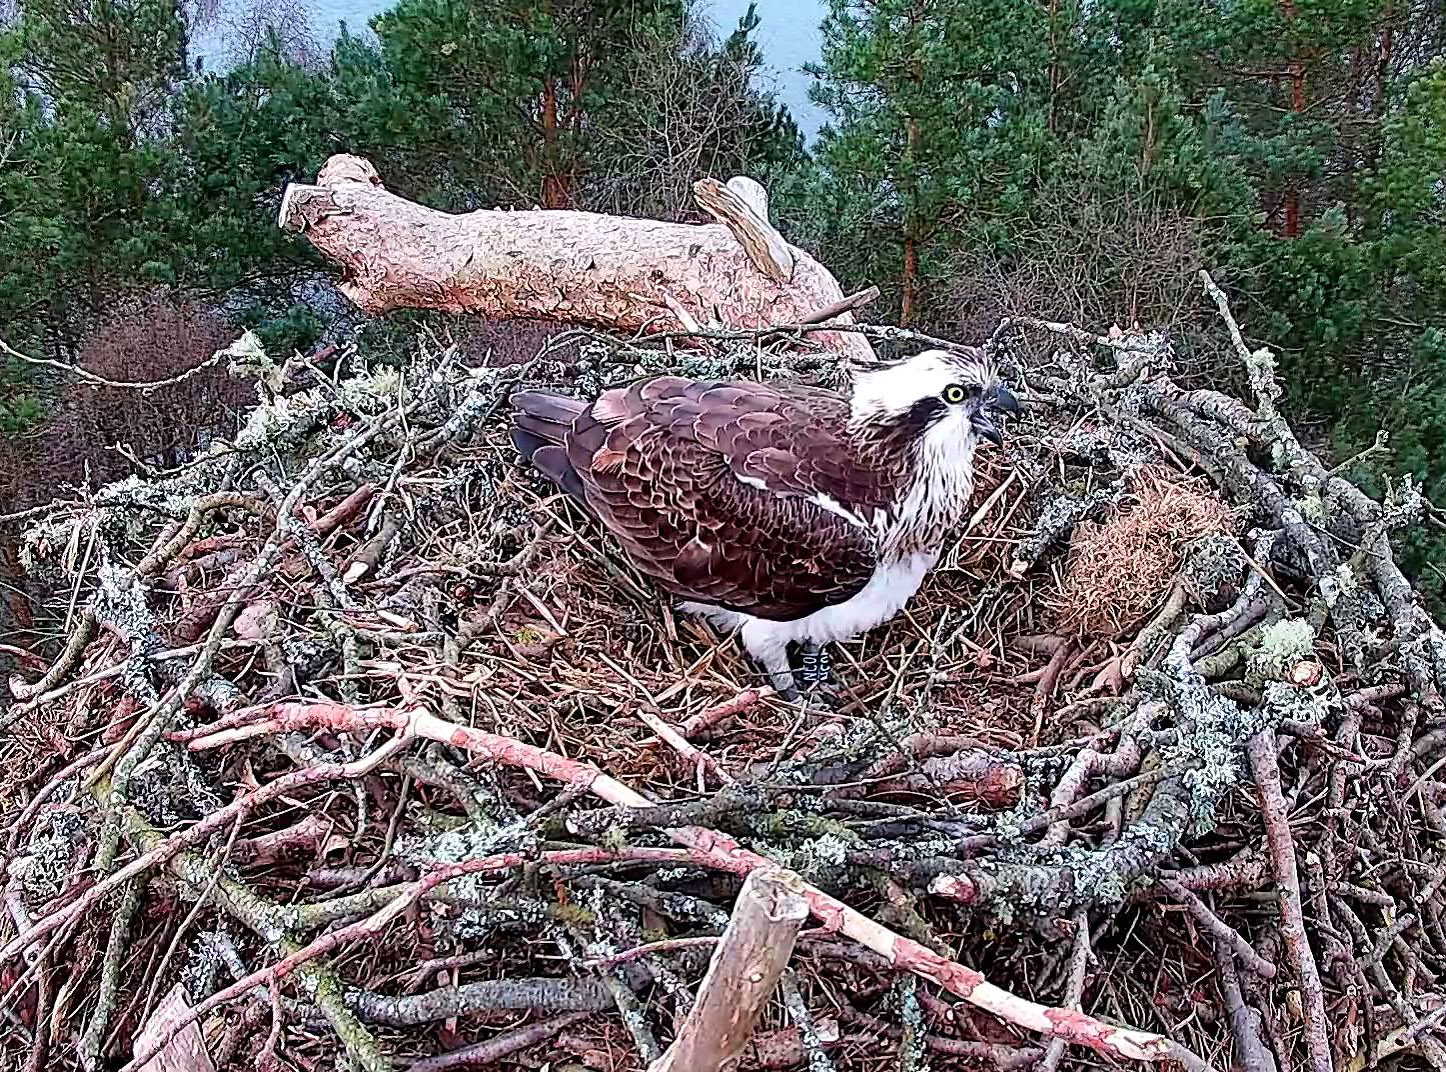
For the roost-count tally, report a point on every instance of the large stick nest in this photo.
(1159, 740)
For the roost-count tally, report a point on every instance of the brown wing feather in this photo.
(663, 464)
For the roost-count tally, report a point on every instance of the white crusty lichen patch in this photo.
(44, 868)
(452, 846)
(1096, 875)
(1404, 503)
(1282, 700)
(1260, 368)
(480, 915)
(168, 786)
(1348, 582)
(1212, 731)
(1212, 562)
(286, 422)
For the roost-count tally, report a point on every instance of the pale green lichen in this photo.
(1312, 508)
(249, 360)
(286, 422)
(374, 392)
(1212, 731)
(1280, 646)
(817, 859)
(914, 1052)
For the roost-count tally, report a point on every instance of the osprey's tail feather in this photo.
(540, 422)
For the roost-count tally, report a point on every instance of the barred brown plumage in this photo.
(792, 512)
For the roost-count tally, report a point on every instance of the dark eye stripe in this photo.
(922, 414)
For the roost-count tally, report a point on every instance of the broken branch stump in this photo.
(746, 966)
(742, 207)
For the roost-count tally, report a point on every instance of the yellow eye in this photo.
(954, 394)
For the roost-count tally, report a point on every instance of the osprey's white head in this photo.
(932, 409)
(938, 397)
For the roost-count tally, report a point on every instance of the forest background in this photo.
(1078, 160)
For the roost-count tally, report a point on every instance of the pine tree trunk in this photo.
(554, 187)
(1297, 105)
(910, 281)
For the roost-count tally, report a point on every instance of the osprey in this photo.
(793, 514)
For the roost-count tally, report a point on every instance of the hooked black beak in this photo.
(1000, 400)
(1005, 401)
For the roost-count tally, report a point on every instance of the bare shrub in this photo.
(694, 111)
(150, 338)
(1089, 252)
(246, 31)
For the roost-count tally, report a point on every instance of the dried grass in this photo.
(1118, 569)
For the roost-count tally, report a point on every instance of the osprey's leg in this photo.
(817, 668)
(781, 677)
(771, 652)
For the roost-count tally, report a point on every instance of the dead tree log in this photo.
(745, 968)
(580, 268)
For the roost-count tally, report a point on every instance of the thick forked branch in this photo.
(746, 966)
(609, 272)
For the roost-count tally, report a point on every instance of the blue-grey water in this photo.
(788, 35)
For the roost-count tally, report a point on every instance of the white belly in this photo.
(892, 585)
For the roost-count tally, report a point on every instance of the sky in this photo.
(788, 35)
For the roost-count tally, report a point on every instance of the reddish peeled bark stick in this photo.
(580, 268)
(715, 850)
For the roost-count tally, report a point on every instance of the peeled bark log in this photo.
(186, 1052)
(578, 268)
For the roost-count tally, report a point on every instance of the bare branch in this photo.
(745, 968)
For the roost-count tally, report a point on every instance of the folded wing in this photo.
(743, 496)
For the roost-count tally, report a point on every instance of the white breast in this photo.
(892, 585)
